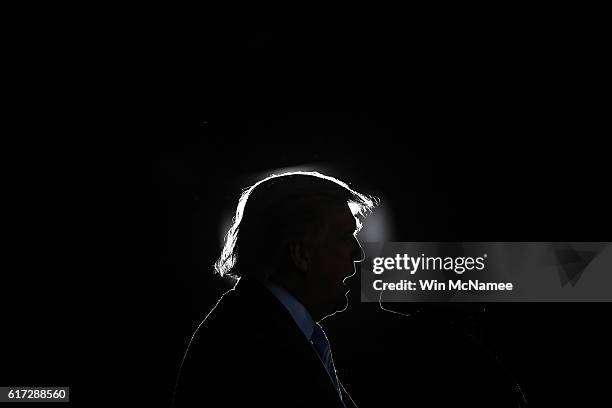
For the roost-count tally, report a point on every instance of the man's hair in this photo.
(276, 209)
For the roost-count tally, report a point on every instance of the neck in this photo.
(300, 291)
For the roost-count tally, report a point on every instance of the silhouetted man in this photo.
(292, 245)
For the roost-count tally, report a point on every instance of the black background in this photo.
(484, 121)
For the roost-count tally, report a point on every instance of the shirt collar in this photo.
(294, 307)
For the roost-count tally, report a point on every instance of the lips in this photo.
(347, 279)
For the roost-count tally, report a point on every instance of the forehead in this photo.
(340, 216)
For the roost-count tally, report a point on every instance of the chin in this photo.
(342, 304)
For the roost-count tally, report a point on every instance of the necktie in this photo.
(321, 345)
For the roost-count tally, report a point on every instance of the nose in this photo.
(358, 255)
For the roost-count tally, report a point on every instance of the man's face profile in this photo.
(333, 257)
(298, 231)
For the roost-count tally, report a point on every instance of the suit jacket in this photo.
(250, 352)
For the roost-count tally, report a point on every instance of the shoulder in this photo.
(249, 311)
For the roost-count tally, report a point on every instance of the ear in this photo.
(300, 256)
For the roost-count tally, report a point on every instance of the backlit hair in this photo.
(272, 209)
